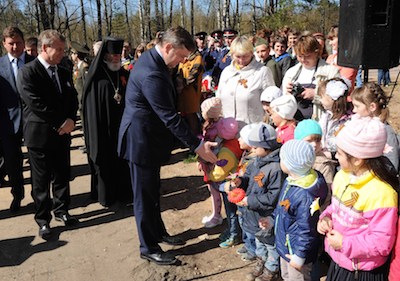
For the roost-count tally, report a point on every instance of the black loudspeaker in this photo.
(369, 33)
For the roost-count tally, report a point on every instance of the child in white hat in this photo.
(283, 110)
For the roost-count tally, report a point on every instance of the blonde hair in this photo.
(372, 93)
(241, 45)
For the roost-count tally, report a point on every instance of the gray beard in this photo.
(113, 66)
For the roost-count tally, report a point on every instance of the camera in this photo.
(297, 90)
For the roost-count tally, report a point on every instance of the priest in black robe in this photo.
(103, 103)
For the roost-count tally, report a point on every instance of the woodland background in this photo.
(86, 21)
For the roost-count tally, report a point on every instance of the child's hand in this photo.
(324, 226)
(227, 187)
(264, 223)
(334, 239)
(198, 165)
(236, 182)
(243, 202)
(292, 264)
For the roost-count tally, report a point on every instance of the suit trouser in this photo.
(13, 160)
(50, 166)
(146, 194)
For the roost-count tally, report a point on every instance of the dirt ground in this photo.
(105, 245)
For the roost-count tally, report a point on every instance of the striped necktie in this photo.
(15, 67)
(54, 79)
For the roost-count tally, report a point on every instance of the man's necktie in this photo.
(54, 79)
(15, 67)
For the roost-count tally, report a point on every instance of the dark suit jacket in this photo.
(44, 110)
(10, 104)
(150, 117)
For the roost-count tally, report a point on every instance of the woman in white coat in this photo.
(241, 84)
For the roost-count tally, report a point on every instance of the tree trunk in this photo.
(225, 14)
(84, 23)
(170, 13)
(254, 18)
(99, 33)
(141, 21)
(43, 14)
(162, 15)
(191, 17)
(106, 18)
(183, 13)
(37, 17)
(219, 17)
(110, 17)
(147, 22)
(158, 24)
(67, 27)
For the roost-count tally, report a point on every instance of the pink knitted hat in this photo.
(227, 128)
(212, 108)
(363, 137)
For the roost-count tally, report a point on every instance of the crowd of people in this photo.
(283, 136)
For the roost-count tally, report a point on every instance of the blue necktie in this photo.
(15, 67)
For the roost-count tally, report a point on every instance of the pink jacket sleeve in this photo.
(394, 272)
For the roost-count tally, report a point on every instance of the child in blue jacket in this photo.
(262, 182)
(296, 215)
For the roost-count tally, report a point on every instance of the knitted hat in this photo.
(245, 132)
(270, 93)
(227, 128)
(307, 127)
(211, 107)
(362, 137)
(263, 135)
(298, 156)
(285, 106)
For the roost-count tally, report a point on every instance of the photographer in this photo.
(303, 79)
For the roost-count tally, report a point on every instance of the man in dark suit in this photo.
(11, 110)
(49, 108)
(146, 135)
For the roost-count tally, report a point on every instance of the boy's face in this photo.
(260, 151)
(265, 106)
(284, 169)
(292, 38)
(262, 51)
(243, 145)
(314, 142)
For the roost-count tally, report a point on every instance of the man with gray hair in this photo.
(50, 103)
(148, 126)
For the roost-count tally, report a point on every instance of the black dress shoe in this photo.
(160, 258)
(67, 219)
(45, 232)
(172, 240)
(15, 205)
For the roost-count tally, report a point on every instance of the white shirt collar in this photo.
(159, 52)
(44, 63)
(21, 57)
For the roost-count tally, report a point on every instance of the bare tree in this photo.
(147, 22)
(83, 23)
(170, 13)
(162, 15)
(106, 18)
(254, 18)
(99, 33)
(191, 16)
(128, 27)
(43, 14)
(225, 14)
(219, 17)
(183, 13)
(158, 20)
(52, 13)
(141, 21)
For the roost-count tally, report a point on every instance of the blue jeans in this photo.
(359, 79)
(269, 254)
(248, 238)
(383, 77)
(231, 216)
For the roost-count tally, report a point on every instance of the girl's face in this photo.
(205, 117)
(276, 118)
(292, 38)
(308, 60)
(243, 145)
(326, 102)
(265, 106)
(334, 43)
(361, 108)
(345, 164)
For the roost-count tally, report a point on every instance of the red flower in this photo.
(236, 195)
(123, 80)
(130, 66)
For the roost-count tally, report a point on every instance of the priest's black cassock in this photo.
(103, 103)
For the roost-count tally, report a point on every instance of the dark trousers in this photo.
(50, 166)
(13, 160)
(146, 194)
